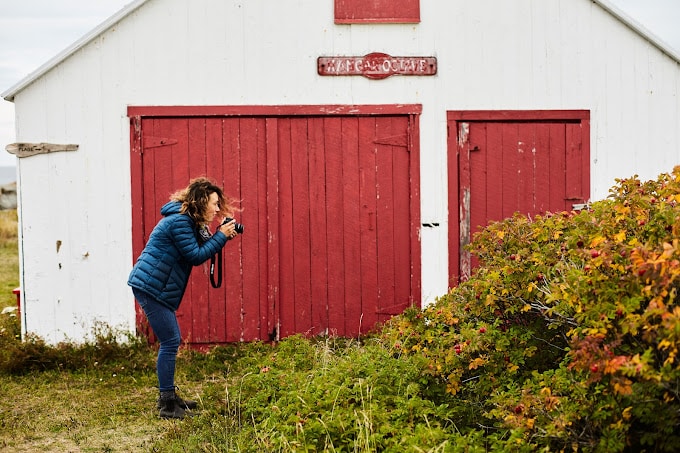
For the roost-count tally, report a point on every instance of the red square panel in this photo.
(377, 11)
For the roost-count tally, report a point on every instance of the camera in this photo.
(238, 227)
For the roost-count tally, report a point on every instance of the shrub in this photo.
(106, 348)
(567, 335)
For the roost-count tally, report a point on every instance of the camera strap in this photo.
(216, 257)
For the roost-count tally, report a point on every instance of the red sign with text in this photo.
(376, 66)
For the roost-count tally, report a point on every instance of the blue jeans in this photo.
(163, 322)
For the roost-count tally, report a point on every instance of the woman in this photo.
(178, 242)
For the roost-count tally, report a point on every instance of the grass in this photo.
(68, 398)
(101, 397)
(9, 270)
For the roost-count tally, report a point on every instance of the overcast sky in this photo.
(34, 31)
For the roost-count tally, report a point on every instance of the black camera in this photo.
(238, 227)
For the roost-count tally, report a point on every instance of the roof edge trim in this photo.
(639, 29)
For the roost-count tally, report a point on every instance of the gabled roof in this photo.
(120, 15)
(73, 48)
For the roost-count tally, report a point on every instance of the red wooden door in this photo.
(348, 223)
(506, 162)
(330, 208)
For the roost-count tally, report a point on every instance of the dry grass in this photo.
(9, 258)
(8, 225)
(67, 412)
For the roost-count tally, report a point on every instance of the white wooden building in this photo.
(362, 140)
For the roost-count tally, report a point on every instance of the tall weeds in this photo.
(8, 225)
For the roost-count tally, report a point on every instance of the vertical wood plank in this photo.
(557, 168)
(231, 170)
(402, 220)
(151, 208)
(464, 195)
(318, 228)
(214, 169)
(286, 224)
(542, 176)
(369, 222)
(480, 165)
(585, 158)
(495, 179)
(413, 129)
(574, 172)
(351, 224)
(301, 225)
(525, 168)
(453, 169)
(260, 227)
(272, 230)
(334, 152)
(151, 214)
(251, 144)
(510, 170)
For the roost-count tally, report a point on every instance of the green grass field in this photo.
(101, 397)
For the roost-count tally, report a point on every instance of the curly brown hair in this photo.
(195, 197)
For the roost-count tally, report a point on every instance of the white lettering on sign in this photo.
(376, 66)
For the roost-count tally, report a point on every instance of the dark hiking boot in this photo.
(184, 404)
(169, 407)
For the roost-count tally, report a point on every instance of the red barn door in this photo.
(331, 214)
(505, 162)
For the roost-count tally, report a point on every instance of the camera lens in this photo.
(237, 226)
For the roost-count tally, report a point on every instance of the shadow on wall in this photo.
(8, 196)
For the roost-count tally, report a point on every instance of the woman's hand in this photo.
(229, 229)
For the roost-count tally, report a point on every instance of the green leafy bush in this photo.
(566, 337)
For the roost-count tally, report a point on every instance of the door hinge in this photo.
(156, 142)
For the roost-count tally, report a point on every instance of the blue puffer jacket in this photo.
(163, 268)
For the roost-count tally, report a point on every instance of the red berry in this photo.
(482, 329)
(594, 368)
(594, 253)
(519, 408)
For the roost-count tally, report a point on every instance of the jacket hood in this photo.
(171, 207)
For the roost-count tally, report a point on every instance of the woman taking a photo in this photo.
(179, 241)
